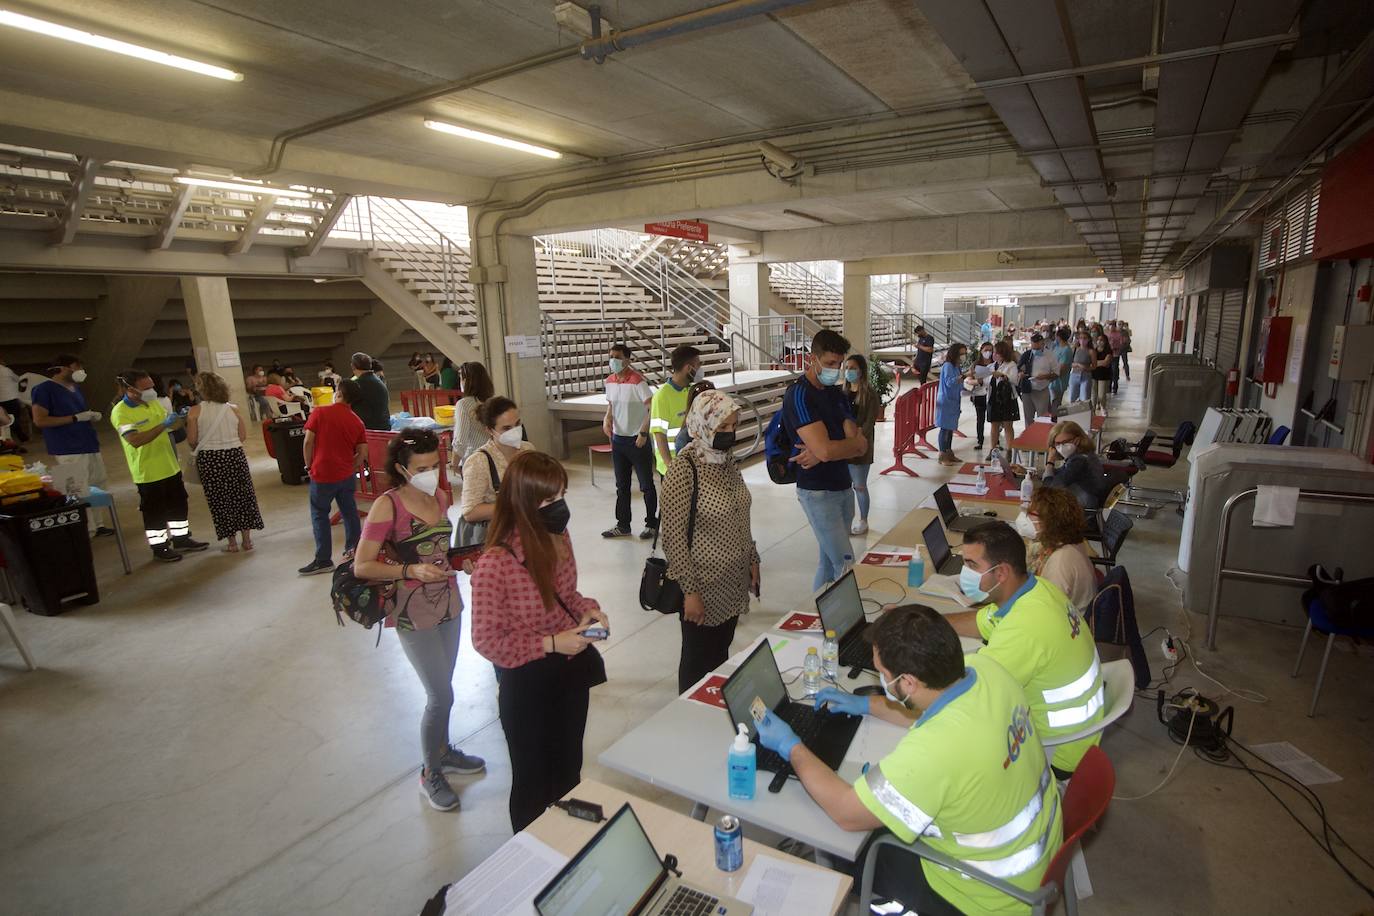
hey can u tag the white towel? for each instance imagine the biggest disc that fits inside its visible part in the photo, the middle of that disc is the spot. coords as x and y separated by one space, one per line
1275 507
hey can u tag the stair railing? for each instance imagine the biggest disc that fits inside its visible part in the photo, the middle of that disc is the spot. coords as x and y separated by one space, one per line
397 232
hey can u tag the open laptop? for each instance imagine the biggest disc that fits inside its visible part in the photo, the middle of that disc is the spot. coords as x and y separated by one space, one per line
827 734
618 871
944 501
842 610
942 559
1012 477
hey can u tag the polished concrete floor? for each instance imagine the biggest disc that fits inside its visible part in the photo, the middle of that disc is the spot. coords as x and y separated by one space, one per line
208 740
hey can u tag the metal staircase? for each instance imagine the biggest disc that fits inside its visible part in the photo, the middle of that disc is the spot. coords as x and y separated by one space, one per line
823 301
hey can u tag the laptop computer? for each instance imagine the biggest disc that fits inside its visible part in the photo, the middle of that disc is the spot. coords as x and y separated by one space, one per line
942 559
1005 466
619 871
827 734
944 501
842 610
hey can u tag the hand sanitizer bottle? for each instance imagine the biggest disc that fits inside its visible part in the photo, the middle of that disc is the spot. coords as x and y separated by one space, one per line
1027 488
743 761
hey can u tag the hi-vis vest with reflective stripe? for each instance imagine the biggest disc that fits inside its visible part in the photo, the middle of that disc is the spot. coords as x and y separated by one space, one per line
970 780
1040 638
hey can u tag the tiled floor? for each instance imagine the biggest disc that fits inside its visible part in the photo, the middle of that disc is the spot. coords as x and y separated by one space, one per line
208 740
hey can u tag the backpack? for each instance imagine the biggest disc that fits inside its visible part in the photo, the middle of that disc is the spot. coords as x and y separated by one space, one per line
1024 365
363 601
778 447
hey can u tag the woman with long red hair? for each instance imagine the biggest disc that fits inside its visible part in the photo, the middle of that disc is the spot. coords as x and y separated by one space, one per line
530 621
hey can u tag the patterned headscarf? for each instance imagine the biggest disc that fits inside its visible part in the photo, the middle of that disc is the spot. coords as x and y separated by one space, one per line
708 411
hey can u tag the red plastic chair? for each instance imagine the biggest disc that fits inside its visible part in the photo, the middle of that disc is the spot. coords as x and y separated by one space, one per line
1085 801
421 402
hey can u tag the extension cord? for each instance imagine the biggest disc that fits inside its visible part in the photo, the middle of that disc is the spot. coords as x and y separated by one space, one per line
1166 645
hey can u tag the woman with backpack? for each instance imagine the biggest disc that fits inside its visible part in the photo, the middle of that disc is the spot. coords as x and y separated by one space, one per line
1003 409
405 540
711 555
530 621
483 469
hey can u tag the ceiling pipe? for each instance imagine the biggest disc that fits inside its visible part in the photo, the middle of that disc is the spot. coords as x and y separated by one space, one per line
593 48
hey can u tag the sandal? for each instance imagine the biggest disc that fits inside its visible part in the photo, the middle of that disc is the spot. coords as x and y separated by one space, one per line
231 547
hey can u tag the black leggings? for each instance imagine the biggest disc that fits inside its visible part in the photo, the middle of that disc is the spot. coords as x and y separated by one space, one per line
704 649
544 721
980 411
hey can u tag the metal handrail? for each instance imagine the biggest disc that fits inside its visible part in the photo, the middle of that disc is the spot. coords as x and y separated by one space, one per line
1250 575
409 237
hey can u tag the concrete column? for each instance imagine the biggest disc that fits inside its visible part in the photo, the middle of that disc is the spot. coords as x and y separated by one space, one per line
210 316
507 287
749 292
857 320
914 297
123 321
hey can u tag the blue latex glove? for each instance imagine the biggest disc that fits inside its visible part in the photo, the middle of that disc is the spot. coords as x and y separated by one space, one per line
834 699
777 735
169 420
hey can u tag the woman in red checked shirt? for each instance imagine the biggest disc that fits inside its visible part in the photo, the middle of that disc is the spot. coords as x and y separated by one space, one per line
529 620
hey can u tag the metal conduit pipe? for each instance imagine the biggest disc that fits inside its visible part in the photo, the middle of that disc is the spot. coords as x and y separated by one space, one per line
594 48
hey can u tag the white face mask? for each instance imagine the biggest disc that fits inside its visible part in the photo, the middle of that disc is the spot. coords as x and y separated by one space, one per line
1025 526
148 395
79 375
426 481
1065 449
512 437
887 691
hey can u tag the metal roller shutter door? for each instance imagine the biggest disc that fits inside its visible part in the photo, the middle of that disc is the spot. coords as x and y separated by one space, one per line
1232 302
1210 318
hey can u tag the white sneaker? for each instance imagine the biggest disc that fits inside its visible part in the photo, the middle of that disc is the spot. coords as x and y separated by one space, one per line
859 527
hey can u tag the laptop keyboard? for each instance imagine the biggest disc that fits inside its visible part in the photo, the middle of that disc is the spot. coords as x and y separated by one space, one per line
857 653
688 902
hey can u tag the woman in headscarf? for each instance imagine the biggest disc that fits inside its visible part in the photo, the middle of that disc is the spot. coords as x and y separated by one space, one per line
716 563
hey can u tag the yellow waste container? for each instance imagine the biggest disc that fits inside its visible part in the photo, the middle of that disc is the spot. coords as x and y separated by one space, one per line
322 395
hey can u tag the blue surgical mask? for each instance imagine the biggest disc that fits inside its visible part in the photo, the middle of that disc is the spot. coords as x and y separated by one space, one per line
617 366
887 691
851 376
829 376
971 582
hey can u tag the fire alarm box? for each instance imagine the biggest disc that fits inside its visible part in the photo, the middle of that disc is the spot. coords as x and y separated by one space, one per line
1271 360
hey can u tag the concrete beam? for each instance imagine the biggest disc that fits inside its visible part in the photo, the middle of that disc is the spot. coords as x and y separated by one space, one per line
375 333
326 226
172 221
977 260
253 226
46 123
46 286
123 321
418 315
28 251
83 182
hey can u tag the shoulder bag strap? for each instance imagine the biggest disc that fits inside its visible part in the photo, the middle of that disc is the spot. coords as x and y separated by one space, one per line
491 466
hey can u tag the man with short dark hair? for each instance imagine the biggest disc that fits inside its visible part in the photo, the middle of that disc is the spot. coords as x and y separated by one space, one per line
925 352
819 423
1038 368
335 449
968 778
373 406
68 427
1032 628
668 410
626 424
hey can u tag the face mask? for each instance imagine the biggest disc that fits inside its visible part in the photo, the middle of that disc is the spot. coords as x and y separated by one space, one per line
698 373
723 440
1065 449
79 375
987 354
851 376
617 365
555 516
512 437
970 582
1025 526
148 395
426 481
887 691
829 376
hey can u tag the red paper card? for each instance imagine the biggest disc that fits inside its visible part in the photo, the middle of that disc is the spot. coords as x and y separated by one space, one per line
800 621
709 692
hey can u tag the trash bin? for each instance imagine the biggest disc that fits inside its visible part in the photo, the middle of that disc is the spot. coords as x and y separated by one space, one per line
47 553
288 446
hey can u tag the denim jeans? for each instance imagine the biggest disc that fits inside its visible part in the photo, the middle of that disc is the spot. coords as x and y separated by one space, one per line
321 495
1080 386
858 473
628 458
946 440
830 513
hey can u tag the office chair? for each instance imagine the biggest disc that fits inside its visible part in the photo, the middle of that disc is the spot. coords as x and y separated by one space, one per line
1319 618
1278 436
1114 531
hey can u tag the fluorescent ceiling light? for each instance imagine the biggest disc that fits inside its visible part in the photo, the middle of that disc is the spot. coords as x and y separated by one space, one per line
90 39
244 186
493 139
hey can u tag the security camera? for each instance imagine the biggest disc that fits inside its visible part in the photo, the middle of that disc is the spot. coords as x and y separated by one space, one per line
779 157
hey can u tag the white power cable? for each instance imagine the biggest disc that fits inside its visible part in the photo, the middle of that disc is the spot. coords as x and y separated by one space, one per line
1179 757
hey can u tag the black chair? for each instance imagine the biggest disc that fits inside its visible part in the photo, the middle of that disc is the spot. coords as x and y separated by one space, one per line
1114 532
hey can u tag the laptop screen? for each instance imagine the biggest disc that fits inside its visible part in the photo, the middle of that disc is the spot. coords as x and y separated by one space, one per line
1007 472
840 606
937 545
613 873
757 677
945 503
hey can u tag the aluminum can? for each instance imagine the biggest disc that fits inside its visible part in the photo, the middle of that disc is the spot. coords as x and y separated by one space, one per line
729 844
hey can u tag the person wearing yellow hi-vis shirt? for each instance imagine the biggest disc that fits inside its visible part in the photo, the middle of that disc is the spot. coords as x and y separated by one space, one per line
1034 630
969 777
668 410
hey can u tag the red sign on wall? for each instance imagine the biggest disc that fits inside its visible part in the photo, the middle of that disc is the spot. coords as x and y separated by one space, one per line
693 230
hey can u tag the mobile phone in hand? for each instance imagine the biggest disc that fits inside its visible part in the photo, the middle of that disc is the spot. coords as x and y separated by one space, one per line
596 633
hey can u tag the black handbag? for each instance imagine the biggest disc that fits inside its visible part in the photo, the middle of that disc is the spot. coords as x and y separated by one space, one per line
657 592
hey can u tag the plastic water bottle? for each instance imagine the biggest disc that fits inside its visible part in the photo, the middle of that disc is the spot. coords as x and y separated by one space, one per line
982 483
830 655
1027 487
811 672
742 764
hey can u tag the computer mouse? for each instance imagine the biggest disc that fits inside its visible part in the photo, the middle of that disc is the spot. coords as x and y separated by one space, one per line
867 690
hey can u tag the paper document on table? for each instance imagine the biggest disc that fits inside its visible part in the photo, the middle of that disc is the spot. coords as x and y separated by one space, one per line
775 886
1045 420
945 587
966 490
967 480
508 880
1295 763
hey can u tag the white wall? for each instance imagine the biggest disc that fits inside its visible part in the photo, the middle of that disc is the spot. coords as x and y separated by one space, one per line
1143 317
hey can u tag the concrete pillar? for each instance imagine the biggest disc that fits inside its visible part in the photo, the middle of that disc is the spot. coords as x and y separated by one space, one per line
857 320
210 316
749 292
914 297
507 287
123 321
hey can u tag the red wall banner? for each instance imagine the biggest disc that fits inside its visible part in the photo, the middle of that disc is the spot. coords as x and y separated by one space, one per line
693 230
